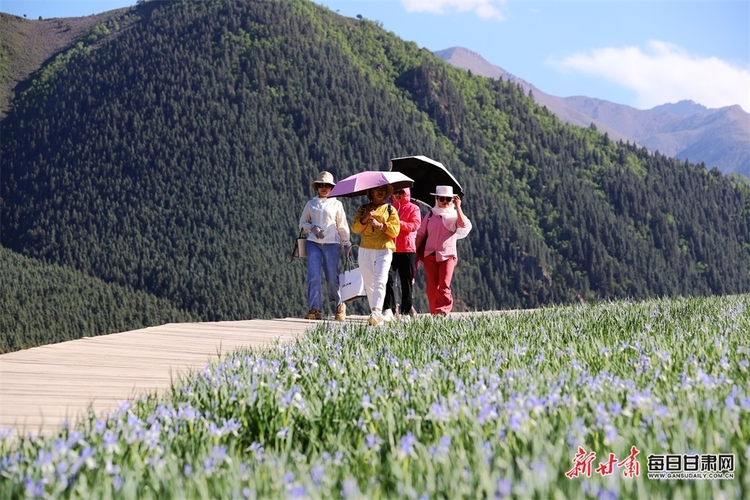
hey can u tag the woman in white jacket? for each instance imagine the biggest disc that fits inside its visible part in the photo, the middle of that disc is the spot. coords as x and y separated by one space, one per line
324 220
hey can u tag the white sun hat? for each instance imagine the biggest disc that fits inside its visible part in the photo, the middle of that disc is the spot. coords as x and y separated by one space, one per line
324 178
443 191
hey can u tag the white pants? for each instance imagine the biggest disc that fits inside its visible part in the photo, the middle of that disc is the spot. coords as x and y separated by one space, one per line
374 265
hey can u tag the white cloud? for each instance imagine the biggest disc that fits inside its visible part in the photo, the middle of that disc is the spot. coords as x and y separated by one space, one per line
486 9
664 73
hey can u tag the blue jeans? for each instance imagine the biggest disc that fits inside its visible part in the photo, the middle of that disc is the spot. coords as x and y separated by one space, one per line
328 256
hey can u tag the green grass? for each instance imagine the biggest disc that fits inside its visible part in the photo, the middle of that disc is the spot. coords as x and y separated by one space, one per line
465 407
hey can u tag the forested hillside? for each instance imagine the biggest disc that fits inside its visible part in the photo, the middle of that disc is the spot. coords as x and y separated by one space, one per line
25 45
44 304
175 157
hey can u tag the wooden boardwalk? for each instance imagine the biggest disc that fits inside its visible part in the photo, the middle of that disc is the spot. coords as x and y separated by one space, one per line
44 386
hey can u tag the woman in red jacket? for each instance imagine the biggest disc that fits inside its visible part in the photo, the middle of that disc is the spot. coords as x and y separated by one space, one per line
404 260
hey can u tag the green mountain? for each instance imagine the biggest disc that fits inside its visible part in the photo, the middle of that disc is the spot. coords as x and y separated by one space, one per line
172 154
25 45
46 303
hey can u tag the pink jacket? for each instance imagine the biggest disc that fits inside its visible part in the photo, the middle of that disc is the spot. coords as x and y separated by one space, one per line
410 218
441 240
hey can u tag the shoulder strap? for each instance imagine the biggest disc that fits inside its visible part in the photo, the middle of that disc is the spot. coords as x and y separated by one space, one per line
427 228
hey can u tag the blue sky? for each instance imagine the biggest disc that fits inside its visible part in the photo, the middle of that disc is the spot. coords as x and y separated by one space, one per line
642 53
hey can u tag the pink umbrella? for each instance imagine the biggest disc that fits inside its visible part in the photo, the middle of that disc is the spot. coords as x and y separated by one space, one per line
359 184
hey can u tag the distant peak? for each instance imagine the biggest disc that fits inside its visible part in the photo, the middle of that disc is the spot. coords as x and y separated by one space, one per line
685 107
463 58
457 51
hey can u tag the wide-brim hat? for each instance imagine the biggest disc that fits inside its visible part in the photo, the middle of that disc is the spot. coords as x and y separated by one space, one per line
324 178
443 191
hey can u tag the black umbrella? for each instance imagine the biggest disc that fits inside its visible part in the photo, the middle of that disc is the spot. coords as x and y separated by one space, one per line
427 173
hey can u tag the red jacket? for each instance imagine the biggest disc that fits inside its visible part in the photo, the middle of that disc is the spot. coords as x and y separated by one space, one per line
411 218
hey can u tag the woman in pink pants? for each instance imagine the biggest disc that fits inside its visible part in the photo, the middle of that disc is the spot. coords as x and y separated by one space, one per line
442 227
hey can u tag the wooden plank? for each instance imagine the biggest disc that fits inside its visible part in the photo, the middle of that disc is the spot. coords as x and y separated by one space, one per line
42 386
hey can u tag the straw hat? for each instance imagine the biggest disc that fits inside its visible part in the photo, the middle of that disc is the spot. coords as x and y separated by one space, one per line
446 191
324 178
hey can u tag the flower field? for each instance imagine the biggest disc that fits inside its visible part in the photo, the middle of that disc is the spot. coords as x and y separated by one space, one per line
566 402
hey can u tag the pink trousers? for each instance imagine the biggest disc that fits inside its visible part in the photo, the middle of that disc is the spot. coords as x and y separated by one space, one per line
438 277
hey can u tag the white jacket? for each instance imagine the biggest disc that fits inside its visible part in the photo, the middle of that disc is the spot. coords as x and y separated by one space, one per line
328 214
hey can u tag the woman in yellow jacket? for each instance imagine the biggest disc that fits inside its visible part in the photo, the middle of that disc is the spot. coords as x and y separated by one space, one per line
378 224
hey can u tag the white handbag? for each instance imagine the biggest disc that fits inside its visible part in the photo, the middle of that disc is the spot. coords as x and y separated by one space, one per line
300 246
351 284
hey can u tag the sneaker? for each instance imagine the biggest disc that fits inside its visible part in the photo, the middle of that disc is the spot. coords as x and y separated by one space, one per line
388 316
341 312
313 314
375 319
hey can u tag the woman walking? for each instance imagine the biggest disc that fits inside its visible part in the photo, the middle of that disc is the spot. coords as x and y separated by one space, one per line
378 224
403 264
442 227
324 220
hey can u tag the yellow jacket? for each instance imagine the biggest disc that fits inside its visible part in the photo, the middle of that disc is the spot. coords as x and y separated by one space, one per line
372 238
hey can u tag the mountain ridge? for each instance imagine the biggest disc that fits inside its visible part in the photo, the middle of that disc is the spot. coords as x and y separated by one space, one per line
686 130
27 45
